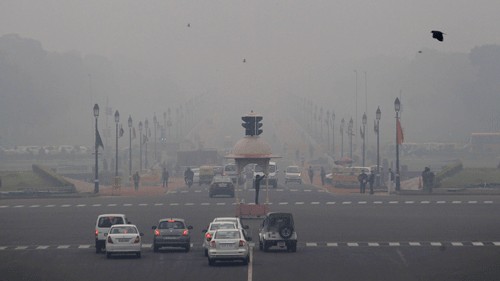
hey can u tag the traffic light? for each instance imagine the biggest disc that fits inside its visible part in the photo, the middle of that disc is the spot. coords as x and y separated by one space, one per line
252 125
249 125
258 130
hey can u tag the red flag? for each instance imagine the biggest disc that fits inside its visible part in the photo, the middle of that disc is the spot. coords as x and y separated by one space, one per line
399 132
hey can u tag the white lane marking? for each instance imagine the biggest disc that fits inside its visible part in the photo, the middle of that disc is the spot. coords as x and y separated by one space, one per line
346 202
283 203
280 189
294 190
415 244
189 204
147 245
96 205
50 206
307 190
362 202
352 244
393 202
457 244
472 202
394 244
143 204
83 246
496 243
488 202
18 206
111 205
330 203
441 202
127 205
314 203
34 206
378 202
63 247
221 204
65 206
250 265
332 244
456 202
4 206
425 202
409 202
21 248
299 203
477 244
205 204
158 204
3 248
42 247
373 244
81 205
436 244
311 244
174 204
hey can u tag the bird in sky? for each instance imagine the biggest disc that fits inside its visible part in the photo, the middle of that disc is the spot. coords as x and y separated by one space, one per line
438 35
188 25
244 60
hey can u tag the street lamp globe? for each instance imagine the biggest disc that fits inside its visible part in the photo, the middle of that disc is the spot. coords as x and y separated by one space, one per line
130 121
397 105
378 114
117 116
364 119
96 110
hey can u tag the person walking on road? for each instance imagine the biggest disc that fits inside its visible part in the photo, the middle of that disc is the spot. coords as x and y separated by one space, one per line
371 181
258 179
136 179
164 177
427 179
363 179
310 172
323 175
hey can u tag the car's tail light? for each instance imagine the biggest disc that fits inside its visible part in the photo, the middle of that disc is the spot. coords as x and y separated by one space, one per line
185 232
110 240
96 233
242 243
157 232
137 239
208 236
212 244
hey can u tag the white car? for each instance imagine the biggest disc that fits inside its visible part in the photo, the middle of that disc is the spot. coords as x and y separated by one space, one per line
209 232
236 220
229 245
293 174
102 226
123 239
272 178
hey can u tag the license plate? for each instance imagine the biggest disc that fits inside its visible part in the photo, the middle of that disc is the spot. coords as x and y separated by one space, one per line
222 184
226 246
123 239
281 244
169 237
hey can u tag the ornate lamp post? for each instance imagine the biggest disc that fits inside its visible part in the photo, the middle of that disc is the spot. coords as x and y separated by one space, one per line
130 146
378 114
364 119
349 131
117 119
146 126
96 179
397 108
342 124
333 134
140 145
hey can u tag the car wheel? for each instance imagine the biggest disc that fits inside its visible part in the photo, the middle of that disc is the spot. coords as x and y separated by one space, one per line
138 254
285 232
108 255
211 262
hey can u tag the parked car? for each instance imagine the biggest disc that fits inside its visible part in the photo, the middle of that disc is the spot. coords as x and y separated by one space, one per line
102 226
221 185
293 174
278 230
229 245
209 232
123 239
171 232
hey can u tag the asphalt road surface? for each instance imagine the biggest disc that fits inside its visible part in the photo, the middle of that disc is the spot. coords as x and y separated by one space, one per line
341 237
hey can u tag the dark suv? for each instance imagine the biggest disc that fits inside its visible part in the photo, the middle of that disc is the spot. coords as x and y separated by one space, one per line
278 230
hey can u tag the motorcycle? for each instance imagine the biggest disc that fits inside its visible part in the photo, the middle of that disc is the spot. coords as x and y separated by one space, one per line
189 182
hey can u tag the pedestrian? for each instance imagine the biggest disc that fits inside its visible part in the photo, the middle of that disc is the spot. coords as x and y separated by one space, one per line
136 179
371 181
310 172
164 177
363 179
258 179
427 179
391 180
323 175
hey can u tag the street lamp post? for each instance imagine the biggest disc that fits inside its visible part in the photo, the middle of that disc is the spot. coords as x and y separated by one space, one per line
96 179
130 146
378 114
397 108
140 145
364 119
349 131
117 119
333 134
155 122
342 124
146 127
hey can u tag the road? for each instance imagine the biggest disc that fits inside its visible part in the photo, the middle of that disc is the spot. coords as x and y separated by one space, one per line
341 237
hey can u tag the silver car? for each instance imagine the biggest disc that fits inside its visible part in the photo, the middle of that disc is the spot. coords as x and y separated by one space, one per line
210 231
123 239
229 245
172 232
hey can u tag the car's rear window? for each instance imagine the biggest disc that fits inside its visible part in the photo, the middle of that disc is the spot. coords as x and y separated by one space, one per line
109 221
123 230
230 168
171 225
227 235
292 170
216 226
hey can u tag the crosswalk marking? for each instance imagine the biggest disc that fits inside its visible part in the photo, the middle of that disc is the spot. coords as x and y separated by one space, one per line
299 203
44 247
63 247
436 244
332 244
311 244
83 246
66 205
477 244
458 244
394 244
81 205
373 244
352 244
314 203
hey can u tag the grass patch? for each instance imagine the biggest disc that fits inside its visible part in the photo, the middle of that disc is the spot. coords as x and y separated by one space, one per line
13 181
473 177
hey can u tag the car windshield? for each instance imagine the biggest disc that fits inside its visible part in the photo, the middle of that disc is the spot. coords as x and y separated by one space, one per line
271 169
215 226
227 235
171 225
123 230
109 221
230 168
292 170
